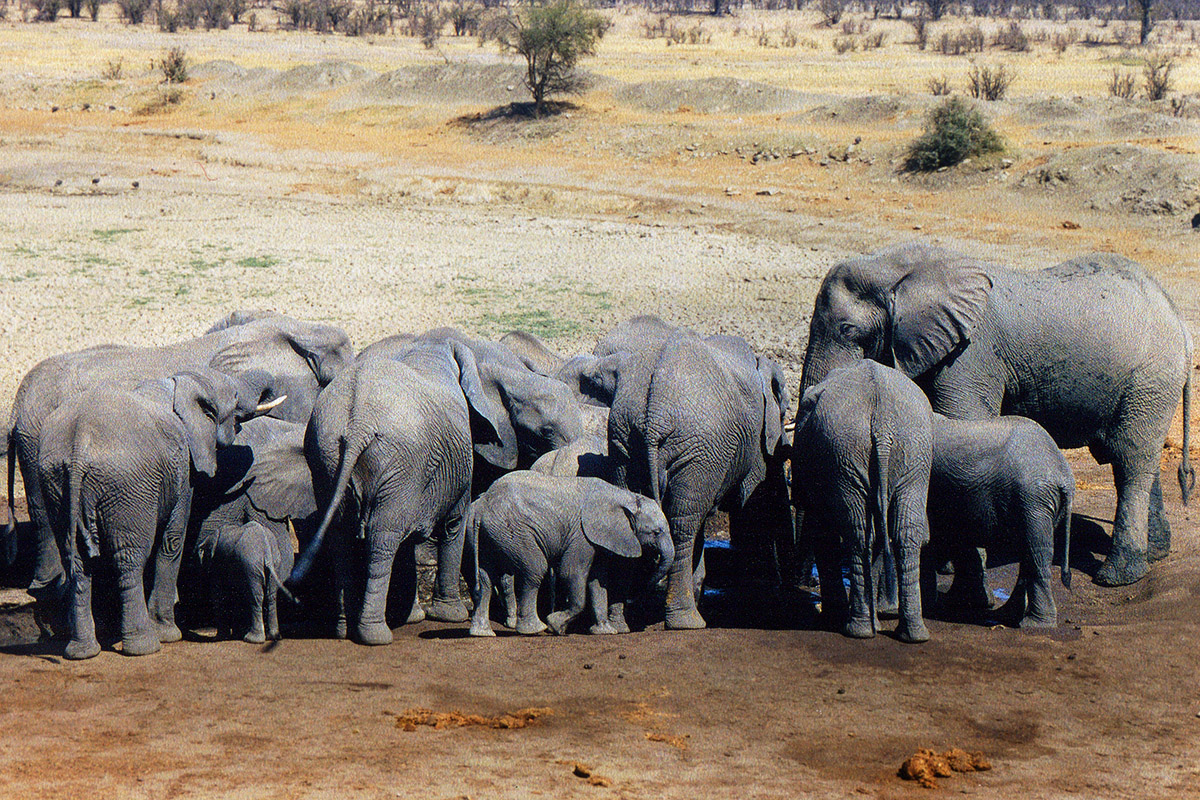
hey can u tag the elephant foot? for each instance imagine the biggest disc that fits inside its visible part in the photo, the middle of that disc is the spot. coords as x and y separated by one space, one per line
141 644
1123 567
448 611
510 623
416 615
168 632
79 649
1157 552
913 632
374 633
858 628
977 596
602 629
559 621
1038 621
686 619
529 627
619 624
255 637
887 609
340 629
481 628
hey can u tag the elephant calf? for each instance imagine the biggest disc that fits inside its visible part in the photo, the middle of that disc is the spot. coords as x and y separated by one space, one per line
527 524
860 468
1000 481
246 562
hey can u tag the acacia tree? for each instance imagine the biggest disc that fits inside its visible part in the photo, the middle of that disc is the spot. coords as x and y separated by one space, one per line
1144 7
552 37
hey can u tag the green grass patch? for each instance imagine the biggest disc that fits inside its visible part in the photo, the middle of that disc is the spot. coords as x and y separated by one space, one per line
107 235
137 302
257 262
22 250
539 322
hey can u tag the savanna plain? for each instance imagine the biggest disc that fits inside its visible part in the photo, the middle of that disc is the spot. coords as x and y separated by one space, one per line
711 172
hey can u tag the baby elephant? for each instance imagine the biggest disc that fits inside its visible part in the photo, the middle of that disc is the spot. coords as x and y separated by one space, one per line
527 524
245 563
999 482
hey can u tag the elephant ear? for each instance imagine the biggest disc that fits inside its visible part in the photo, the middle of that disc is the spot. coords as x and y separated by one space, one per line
280 483
608 524
193 404
325 348
491 431
775 403
934 310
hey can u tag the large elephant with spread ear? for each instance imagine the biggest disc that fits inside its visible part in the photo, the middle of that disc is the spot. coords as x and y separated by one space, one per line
1092 349
288 357
390 445
116 466
697 424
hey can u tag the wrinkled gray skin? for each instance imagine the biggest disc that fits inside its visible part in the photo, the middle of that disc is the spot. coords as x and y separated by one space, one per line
116 467
996 482
245 563
264 479
290 357
532 351
697 424
390 448
592 378
860 470
1092 350
585 529
584 458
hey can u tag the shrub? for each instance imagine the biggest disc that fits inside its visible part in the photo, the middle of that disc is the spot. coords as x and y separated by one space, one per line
989 83
173 65
955 130
93 9
368 20
113 68
788 37
845 44
552 38
920 25
1012 37
831 11
874 41
45 10
426 24
134 11
1122 84
939 86
1156 75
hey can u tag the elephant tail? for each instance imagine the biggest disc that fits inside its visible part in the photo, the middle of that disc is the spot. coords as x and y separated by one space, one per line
654 467
1067 498
78 530
270 573
470 563
1187 475
350 453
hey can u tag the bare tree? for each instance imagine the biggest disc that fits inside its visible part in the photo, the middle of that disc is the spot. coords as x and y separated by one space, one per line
937 8
1144 7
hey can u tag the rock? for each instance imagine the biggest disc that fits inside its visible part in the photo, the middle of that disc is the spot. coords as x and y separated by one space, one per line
1005 163
135 184
767 192
1196 222
731 192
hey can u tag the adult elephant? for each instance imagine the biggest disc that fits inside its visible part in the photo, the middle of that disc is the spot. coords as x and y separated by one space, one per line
697 424
390 447
287 356
1092 349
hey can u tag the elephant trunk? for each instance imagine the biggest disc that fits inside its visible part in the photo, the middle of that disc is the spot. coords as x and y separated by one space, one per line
665 546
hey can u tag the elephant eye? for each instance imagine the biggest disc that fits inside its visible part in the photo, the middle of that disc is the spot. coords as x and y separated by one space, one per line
208 410
847 330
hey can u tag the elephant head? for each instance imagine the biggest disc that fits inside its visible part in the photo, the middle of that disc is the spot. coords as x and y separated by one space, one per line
593 378
626 524
210 406
543 412
908 306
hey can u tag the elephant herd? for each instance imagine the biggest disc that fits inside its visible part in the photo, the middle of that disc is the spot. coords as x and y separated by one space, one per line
266 457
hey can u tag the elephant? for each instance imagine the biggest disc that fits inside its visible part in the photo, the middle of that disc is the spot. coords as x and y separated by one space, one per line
1092 349
245 563
861 461
390 445
292 358
1000 481
116 465
527 524
263 478
697 424
584 458
592 378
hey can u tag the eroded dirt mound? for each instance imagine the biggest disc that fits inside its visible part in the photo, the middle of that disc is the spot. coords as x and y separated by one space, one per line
460 82
710 96
1120 178
438 720
873 109
318 77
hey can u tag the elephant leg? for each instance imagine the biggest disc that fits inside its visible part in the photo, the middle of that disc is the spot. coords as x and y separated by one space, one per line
481 620
447 604
597 596
969 589
139 634
341 580
403 600
81 623
619 591
1038 524
1126 562
271 609
861 622
682 613
508 588
49 583
824 537
372 626
1159 527
912 536
527 585
168 557
887 602
573 572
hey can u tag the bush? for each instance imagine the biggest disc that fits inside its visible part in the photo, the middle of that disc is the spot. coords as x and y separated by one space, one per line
1012 38
989 83
45 10
113 69
954 131
874 41
368 20
173 65
920 25
552 38
1156 74
939 86
845 44
134 11
1122 84
426 24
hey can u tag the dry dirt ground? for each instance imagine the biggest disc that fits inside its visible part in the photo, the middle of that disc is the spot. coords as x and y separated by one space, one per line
371 183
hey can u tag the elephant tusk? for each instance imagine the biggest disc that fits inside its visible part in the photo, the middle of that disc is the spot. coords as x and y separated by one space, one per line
263 408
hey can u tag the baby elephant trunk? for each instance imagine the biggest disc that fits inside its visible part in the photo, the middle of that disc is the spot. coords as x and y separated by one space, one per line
665 547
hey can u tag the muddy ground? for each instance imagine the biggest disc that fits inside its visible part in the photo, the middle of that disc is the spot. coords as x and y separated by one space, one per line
376 185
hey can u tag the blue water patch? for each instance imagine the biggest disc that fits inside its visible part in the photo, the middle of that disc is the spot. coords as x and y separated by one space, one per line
717 544
1001 594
